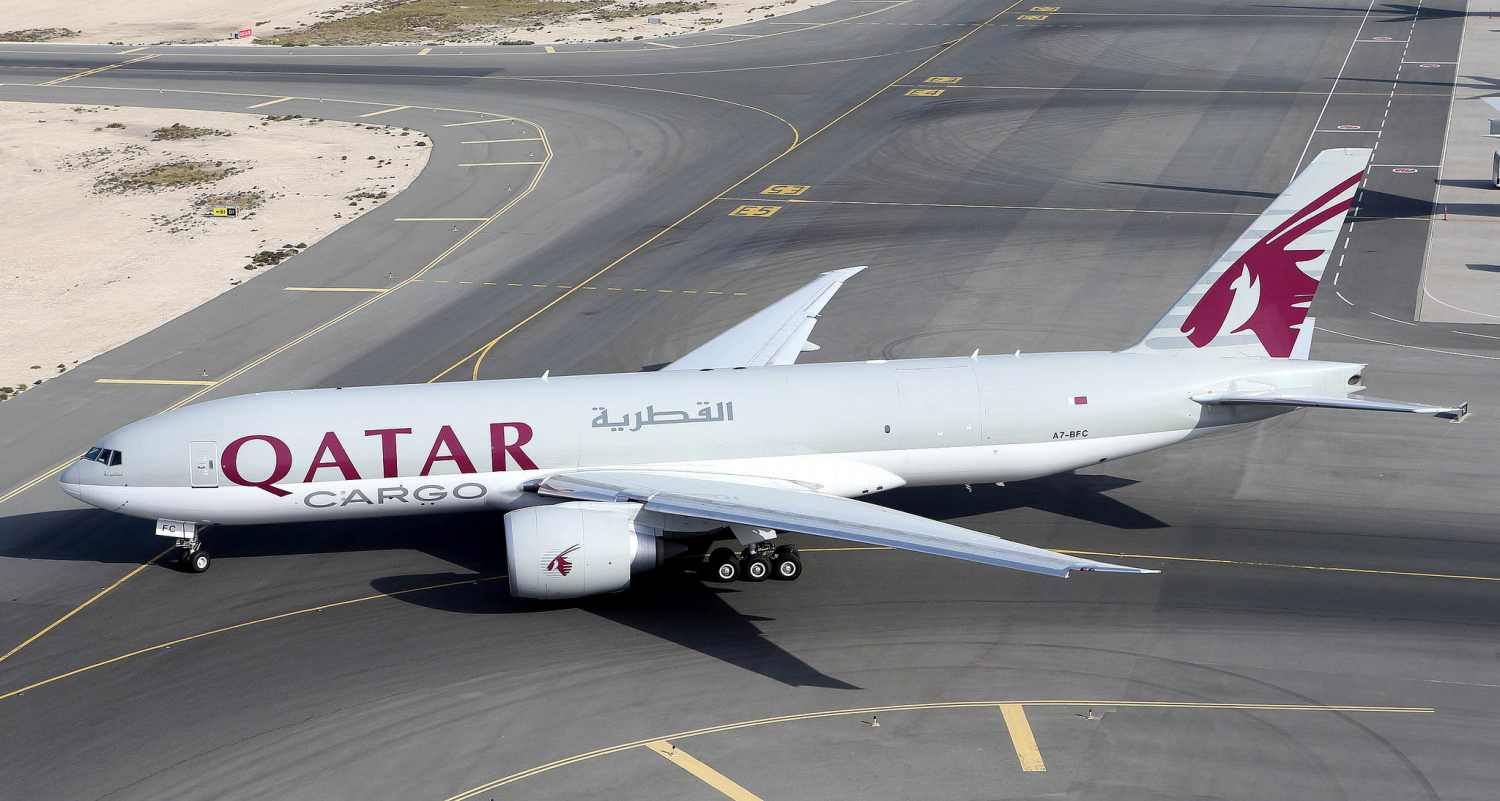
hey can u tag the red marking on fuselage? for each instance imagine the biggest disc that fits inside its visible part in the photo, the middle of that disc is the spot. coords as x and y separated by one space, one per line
1272 268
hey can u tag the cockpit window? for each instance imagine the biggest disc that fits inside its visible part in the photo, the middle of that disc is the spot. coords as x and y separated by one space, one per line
104 456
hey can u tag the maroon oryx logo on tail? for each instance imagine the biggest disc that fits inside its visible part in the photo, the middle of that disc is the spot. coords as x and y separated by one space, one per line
1268 293
560 563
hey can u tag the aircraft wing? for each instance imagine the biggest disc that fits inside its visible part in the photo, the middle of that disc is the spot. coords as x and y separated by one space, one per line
776 334
774 504
1458 412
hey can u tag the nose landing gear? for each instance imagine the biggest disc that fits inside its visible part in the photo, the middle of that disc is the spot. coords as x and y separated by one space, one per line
193 559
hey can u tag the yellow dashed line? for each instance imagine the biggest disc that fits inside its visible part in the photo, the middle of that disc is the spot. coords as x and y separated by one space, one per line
424 51
271 102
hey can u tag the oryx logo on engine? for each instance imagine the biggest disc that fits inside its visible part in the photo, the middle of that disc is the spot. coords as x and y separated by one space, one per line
561 563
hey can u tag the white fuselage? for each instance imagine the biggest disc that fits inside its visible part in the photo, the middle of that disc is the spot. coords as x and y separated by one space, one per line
848 429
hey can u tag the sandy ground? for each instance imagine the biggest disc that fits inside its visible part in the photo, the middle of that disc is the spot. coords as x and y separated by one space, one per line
151 22
145 22
584 29
82 271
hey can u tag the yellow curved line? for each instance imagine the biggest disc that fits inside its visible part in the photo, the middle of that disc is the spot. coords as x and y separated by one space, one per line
485 349
246 624
80 607
868 710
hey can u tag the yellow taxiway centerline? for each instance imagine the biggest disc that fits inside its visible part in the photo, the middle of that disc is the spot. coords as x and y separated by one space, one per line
80 607
711 777
860 711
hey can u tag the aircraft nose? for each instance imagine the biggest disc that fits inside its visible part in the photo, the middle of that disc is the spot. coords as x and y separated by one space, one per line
70 480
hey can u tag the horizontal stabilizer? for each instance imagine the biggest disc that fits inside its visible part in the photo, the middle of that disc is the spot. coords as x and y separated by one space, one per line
1458 412
781 505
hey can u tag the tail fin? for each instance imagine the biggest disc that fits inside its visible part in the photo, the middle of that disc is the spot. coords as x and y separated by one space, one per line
1253 301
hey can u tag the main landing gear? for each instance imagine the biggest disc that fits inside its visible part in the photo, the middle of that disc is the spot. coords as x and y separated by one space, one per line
756 562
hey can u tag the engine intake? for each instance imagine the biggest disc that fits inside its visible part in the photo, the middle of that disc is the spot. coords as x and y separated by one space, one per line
570 550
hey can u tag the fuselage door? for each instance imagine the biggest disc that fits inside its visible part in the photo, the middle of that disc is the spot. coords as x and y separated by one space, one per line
203 461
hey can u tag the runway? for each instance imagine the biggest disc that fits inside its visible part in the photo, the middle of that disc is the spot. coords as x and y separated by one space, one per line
1035 178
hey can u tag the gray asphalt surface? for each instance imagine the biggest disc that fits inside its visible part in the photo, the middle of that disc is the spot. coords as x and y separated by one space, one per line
1324 625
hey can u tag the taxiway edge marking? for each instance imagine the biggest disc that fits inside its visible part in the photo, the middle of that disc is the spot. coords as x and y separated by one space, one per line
1022 738
711 777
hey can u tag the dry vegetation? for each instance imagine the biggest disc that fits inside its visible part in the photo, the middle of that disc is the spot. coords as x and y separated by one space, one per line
179 131
37 35
165 176
435 21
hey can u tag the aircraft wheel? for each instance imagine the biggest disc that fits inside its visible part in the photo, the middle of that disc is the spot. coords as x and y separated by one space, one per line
195 561
756 568
786 567
783 550
723 565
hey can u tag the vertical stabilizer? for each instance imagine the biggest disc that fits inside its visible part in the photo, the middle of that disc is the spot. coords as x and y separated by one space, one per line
1253 301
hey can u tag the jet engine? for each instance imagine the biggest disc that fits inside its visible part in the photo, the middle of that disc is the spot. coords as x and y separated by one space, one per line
569 550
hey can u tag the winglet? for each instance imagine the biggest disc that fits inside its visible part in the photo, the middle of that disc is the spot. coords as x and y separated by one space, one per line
776 334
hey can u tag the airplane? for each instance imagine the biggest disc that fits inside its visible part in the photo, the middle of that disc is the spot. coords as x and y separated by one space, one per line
601 477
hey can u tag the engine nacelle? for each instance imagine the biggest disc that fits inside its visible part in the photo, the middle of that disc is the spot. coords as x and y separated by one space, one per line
569 550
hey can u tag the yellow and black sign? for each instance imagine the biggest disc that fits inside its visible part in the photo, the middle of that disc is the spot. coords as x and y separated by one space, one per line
754 211
785 189
1032 16
1045 8
942 79
226 211
924 92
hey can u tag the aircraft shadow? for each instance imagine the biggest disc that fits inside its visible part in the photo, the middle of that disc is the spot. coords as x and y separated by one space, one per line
1390 12
1204 189
1080 497
672 603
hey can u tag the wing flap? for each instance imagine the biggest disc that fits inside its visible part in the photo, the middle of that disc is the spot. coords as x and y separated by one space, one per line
783 506
776 334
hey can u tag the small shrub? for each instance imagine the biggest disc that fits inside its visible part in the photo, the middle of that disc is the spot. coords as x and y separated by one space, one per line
164 176
179 131
115 125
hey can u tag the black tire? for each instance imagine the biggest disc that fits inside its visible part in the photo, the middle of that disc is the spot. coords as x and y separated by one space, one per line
785 549
723 565
786 567
196 561
755 568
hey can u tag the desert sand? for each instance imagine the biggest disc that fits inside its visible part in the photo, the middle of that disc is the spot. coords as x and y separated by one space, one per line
153 22
84 269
